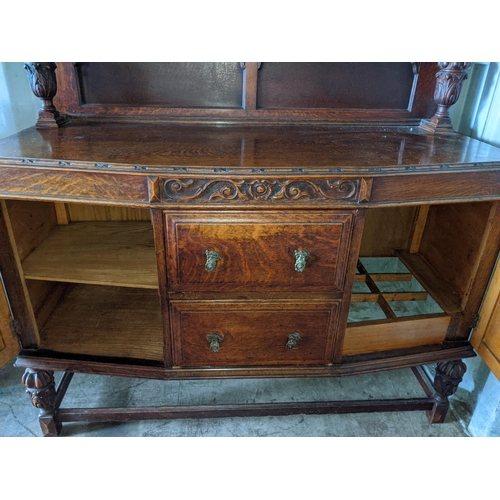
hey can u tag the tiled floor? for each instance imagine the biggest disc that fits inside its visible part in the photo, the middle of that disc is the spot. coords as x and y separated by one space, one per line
18 417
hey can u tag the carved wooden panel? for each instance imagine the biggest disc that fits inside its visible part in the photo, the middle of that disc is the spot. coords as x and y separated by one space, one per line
257 251
259 190
253 333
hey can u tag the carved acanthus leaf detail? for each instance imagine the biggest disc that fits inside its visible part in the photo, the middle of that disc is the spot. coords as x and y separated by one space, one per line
43 83
449 80
216 190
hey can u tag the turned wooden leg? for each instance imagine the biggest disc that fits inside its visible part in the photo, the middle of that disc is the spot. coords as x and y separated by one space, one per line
448 375
41 388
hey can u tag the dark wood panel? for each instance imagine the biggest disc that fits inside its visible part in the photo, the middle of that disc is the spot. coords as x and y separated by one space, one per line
253 333
152 93
257 252
335 85
168 84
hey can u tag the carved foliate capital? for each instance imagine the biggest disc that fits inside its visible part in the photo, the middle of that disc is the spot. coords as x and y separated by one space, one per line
449 80
448 375
43 82
40 386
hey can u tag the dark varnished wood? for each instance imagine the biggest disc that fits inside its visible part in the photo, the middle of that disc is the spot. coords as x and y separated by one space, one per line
294 92
335 85
353 149
243 410
351 365
448 375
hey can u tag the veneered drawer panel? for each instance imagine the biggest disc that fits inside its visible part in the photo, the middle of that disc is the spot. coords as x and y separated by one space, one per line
253 332
257 251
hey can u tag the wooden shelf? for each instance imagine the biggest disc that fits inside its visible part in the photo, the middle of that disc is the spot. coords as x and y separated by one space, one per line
106 321
114 253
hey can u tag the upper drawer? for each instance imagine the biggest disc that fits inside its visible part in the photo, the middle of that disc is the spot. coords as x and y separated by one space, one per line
296 251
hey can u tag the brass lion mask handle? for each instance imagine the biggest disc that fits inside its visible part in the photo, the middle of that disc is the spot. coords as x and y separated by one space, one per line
212 258
214 339
293 338
300 260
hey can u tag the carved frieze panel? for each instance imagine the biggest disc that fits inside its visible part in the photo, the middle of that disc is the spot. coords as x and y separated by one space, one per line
222 190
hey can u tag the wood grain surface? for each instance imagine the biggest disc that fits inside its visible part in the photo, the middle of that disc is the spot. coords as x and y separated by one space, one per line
257 251
351 149
253 332
106 321
108 253
395 334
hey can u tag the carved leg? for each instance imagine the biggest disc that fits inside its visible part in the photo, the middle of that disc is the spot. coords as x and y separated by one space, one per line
448 375
41 388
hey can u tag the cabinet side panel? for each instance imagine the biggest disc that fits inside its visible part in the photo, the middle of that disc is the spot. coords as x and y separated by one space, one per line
386 229
452 239
32 222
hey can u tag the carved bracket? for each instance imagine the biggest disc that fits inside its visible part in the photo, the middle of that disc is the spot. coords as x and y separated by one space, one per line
448 87
262 190
43 82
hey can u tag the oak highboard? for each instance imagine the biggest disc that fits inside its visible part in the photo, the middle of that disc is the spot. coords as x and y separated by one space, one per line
222 220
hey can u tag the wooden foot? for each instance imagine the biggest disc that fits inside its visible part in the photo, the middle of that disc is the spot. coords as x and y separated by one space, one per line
41 388
448 375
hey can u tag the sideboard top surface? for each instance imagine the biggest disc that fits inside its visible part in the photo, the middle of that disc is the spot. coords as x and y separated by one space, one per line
158 148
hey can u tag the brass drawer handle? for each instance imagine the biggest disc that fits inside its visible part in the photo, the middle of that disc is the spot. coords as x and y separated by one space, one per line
212 258
215 341
300 260
293 338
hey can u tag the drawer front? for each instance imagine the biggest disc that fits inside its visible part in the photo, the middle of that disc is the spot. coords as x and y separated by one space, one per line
253 333
265 251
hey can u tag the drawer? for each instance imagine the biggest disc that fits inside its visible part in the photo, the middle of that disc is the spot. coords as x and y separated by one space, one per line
251 252
244 333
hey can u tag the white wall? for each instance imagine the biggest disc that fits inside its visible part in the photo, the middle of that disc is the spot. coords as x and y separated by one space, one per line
477 114
18 105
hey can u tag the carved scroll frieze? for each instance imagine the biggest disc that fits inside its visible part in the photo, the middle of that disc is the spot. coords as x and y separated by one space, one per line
43 83
260 190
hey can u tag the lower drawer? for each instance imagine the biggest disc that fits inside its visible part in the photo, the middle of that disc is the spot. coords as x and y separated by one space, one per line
253 333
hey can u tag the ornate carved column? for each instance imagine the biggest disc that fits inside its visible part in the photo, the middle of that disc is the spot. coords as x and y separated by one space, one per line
41 388
448 375
43 82
448 87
